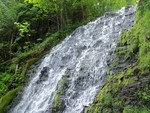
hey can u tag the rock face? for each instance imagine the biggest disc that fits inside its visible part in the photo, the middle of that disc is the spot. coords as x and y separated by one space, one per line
82 57
44 75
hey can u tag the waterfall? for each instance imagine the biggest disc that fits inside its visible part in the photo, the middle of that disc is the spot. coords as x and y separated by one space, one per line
82 58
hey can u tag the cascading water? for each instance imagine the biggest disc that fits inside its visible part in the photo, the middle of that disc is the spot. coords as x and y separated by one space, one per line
83 57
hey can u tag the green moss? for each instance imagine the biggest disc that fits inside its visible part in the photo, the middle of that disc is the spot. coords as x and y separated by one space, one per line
144 95
6 99
12 67
116 4
136 39
117 102
116 62
107 97
3 88
107 100
130 45
28 64
136 109
58 104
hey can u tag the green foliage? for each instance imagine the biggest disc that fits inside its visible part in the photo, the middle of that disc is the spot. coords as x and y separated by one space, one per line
118 102
136 40
8 13
3 88
136 109
107 100
130 44
12 67
5 78
12 77
144 94
6 99
23 30
44 5
116 4
144 52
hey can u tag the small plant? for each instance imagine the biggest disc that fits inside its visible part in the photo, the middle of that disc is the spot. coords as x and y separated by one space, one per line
117 103
107 100
136 109
24 30
144 94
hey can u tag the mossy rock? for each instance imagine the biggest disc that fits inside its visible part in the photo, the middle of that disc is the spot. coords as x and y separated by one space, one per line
108 98
58 104
27 65
7 98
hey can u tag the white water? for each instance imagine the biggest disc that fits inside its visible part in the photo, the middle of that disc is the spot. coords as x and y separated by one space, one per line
83 55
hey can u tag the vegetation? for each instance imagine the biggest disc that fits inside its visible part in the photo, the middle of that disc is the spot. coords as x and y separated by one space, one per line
121 94
30 28
5 100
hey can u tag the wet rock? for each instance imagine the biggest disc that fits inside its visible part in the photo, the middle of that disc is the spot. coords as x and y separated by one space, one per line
59 107
44 75
119 19
97 44
84 109
82 82
110 14
129 11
